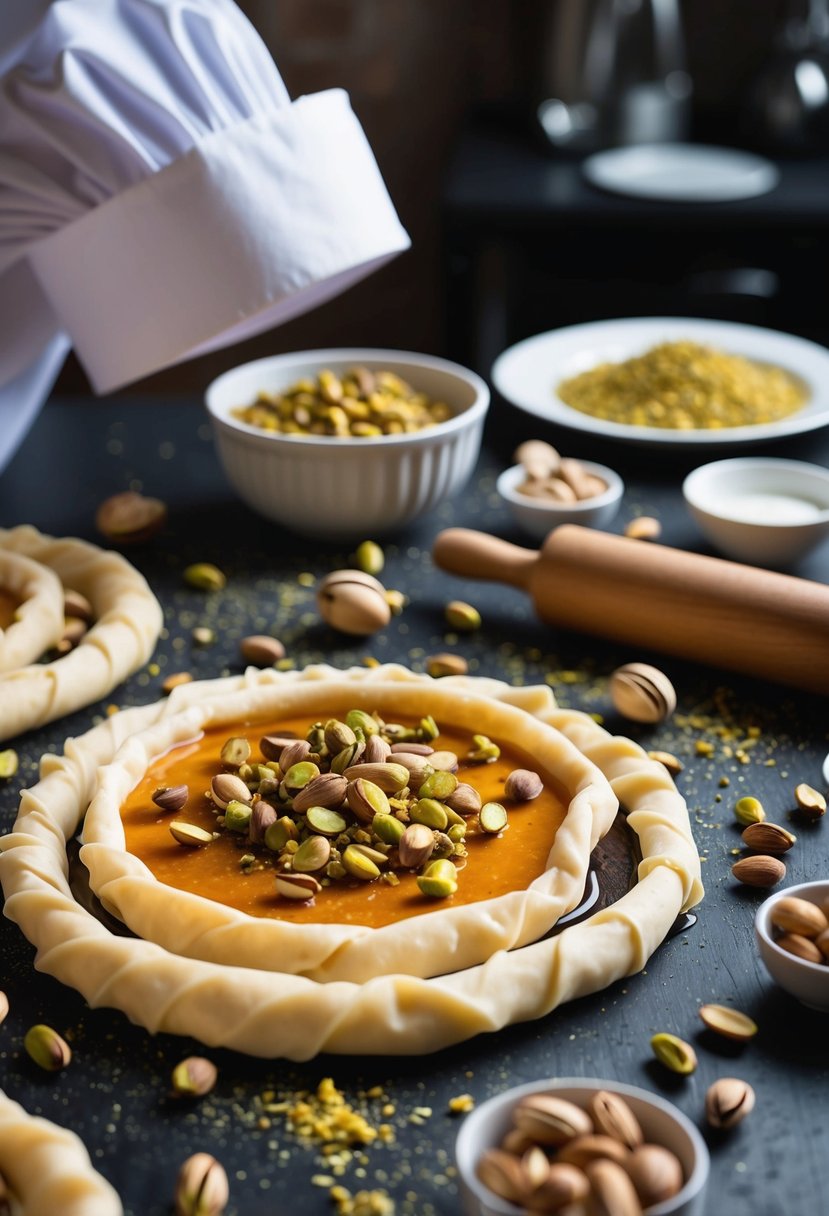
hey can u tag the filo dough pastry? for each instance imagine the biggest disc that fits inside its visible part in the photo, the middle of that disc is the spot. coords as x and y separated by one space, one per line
276 1014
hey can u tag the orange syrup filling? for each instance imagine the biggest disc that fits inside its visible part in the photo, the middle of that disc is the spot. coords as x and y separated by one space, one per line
495 864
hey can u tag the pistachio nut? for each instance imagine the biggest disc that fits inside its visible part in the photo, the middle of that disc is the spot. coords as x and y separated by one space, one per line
203 635
204 576
536 1166
465 800
235 752
4 1007
794 915
483 750
416 846
194 1077
643 527
278 834
362 723
262 816
612 1192
803 947
272 746
365 800
551 1120
353 602
9 763
261 650
811 803
768 838
462 617
492 818
389 776
297 886
227 787
821 941
369 557
337 735
77 605
171 797
438 784
430 812
295 751
396 600
412 748
730 1023
445 664
175 680
189 834
502 1173
202 1188
358 865
439 880
668 760
728 1101
539 459
130 518
642 693
348 757
749 810
522 785
312 855
563 1186
444 760
377 750
674 1053
375 855
74 632
46 1047
326 790
759 871
655 1172
237 816
418 766
583 1149
387 828
325 821
613 1117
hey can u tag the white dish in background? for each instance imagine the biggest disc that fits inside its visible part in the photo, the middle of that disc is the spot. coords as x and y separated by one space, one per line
527 374
755 509
661 1122
690 173
809 982
538 516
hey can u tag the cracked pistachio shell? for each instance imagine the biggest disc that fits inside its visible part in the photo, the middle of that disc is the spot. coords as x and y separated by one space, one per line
642 693
202 1187
728 1101
655 1172
551 1120
613 1117
353 602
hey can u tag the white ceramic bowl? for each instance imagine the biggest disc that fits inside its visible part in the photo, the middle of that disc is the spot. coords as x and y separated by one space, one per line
758 509
538 516
334 488
809 982
661 1122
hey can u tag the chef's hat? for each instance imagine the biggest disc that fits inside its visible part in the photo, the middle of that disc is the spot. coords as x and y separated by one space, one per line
161 196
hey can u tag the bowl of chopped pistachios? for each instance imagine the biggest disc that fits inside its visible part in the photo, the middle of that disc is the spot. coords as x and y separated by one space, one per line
342 443
580 1145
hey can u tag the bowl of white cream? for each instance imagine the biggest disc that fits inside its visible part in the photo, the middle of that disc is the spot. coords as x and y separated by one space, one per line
759 509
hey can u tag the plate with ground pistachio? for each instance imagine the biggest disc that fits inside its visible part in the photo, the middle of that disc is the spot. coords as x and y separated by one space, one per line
670 381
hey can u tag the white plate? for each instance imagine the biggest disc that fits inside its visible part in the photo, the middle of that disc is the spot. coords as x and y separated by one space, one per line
692 173
526 375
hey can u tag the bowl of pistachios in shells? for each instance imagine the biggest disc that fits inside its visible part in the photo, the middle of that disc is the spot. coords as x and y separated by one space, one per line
342 443
580 1146
545 489
792 929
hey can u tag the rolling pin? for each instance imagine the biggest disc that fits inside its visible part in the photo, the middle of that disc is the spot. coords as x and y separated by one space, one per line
768 625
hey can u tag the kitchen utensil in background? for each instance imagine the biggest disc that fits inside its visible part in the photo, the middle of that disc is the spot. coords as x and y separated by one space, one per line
759 622
788 106
613 72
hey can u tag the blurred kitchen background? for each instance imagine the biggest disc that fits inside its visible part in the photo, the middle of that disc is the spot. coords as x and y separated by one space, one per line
508 239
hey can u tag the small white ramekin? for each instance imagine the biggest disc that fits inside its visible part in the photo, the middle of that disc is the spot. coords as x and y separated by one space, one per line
809 982
538 516
339 488
661 1123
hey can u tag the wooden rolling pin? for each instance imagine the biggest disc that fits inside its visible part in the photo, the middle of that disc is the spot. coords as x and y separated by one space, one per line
769 625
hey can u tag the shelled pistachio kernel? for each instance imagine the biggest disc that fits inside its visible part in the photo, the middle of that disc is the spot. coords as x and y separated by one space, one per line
749 810
810 802
204 576
261 649
674 1053
202 1188
237 816
396 601
439 879
462 617
730 1023
189 834
483 750
358 865
9 763
235 752
194 1077
369 557
492 818
46 1047
446 664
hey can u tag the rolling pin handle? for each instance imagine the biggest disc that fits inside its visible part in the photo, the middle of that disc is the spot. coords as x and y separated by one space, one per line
477 555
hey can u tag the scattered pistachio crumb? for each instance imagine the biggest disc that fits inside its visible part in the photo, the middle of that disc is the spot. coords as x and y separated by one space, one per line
704 747
461 1103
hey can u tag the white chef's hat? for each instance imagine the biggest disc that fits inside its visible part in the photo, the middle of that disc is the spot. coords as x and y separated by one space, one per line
161 196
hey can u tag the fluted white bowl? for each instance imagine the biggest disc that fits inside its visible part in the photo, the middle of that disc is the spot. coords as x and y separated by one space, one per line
340 488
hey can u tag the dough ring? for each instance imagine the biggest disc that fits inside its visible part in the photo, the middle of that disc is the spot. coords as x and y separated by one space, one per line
272 1014
445 939
47 1168
38 622
128 621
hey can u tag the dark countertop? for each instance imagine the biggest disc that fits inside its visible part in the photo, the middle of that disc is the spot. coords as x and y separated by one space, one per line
114 1094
